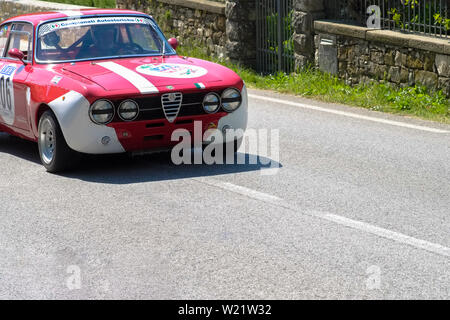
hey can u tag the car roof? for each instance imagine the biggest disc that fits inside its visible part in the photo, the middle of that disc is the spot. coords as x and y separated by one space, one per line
38 17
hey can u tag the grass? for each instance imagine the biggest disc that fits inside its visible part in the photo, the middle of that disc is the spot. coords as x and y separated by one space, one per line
414 101
89 3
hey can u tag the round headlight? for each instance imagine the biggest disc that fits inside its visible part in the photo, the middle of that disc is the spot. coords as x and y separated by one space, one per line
102 112
231 99
128 110
211 103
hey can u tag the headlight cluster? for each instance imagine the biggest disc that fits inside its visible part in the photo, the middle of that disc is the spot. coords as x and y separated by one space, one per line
102 111
128 110
211 103
230 100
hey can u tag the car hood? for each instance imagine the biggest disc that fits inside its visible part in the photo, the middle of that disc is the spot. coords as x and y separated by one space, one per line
141 74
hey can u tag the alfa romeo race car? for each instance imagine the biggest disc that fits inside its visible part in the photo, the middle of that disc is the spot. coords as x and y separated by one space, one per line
107 81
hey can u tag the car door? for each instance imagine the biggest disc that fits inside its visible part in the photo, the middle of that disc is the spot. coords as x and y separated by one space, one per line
14 93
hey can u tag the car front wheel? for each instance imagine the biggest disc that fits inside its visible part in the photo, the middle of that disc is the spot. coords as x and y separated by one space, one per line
54 152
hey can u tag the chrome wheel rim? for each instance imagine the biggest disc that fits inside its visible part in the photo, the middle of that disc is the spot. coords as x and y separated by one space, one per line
47 141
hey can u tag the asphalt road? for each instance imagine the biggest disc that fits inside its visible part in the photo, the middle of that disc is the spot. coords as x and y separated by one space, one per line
359 208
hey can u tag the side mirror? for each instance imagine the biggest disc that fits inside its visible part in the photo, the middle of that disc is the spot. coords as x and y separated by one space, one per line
173 43
16 53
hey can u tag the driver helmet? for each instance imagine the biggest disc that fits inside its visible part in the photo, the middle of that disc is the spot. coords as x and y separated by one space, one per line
105 35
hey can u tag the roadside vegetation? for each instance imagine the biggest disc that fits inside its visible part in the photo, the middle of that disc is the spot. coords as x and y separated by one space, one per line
89 3
310 83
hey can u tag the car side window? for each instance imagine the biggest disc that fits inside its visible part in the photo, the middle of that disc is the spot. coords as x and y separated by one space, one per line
4 34
22 38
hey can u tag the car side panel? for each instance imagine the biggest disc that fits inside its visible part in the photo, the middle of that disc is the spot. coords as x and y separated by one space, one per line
14 97
66 97
46 86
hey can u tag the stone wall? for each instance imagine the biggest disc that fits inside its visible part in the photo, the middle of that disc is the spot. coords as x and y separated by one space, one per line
305 13
227 30
361 55
192 22
241 31
223 28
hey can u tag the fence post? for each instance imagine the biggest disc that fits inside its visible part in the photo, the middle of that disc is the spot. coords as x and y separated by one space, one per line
306 11
279 36
241 29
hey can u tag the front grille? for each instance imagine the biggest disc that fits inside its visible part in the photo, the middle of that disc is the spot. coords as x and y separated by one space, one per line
171 103
151 107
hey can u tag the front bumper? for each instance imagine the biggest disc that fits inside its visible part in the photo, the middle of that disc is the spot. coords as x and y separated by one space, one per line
82 135
157 134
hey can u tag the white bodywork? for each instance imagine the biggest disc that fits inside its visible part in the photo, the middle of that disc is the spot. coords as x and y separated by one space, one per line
81 134
238 119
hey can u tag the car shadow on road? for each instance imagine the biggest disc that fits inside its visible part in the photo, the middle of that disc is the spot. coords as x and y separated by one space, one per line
20 148
123 169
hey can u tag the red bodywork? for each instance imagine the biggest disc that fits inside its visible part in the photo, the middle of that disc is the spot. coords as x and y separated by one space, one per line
34 89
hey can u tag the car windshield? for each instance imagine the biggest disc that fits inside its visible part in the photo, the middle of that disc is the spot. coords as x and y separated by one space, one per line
99 37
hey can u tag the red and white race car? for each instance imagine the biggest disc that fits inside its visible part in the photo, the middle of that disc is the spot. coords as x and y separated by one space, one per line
106 81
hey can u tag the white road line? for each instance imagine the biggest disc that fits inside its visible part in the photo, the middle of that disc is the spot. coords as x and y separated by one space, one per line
349 114
241 190
347 222
388 234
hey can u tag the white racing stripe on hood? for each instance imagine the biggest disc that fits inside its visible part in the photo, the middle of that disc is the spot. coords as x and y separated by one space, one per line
142 84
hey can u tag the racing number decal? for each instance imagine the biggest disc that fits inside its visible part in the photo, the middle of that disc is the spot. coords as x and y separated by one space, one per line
7 94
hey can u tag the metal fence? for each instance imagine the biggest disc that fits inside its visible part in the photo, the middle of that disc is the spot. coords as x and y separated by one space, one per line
427 17
275 45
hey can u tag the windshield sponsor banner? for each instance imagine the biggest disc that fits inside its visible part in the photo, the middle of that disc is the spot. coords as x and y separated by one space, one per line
172 70
73 23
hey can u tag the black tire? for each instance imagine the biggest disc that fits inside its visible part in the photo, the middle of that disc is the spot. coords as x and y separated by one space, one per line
55 154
